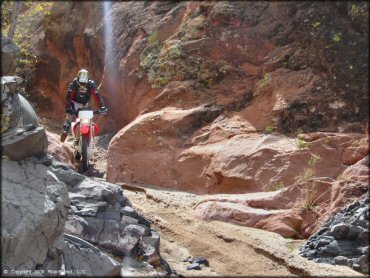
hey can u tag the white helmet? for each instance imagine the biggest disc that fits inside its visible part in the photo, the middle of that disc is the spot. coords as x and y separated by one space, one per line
83 76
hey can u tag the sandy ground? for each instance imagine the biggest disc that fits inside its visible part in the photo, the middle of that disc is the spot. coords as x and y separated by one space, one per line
231 250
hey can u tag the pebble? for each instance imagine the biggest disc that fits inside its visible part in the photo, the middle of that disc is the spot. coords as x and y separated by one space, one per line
203 261
193 266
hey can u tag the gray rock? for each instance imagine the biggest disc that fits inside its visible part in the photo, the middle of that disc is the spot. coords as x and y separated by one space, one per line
346 247
341 260
87 228
363 250
68 176
110 196
203 261
194 266
73 210
137 230
28 113
109 213
9 56
80 202
322 231
46 160
129 220
105 219
143 220
34 208
343 238
87 211
133 268
84 261
332 249
360 222
80 242
153 239
149 251
356 267
363 238
324 260
93 191
340 231
26 144
128 211
354 232
114 238
311 253
364 263
321 242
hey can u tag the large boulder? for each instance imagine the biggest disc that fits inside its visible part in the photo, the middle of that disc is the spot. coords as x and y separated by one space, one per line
22 136
27 141
34 208
152 143
28 112
296 209
220 157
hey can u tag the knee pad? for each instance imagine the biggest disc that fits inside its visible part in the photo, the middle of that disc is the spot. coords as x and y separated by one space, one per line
66 126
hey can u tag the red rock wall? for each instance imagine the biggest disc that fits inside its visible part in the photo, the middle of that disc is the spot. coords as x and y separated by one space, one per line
304 63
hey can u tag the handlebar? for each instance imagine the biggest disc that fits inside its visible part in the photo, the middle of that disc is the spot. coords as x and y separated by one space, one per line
96 112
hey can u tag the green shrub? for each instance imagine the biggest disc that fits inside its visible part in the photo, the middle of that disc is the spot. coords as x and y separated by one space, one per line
269 129
301 144
337 37
153 37
308 179
275 187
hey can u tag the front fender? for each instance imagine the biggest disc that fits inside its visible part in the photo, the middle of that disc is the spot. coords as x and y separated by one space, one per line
84 129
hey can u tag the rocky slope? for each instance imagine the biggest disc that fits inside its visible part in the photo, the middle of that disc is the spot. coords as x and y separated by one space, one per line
56 221
344 239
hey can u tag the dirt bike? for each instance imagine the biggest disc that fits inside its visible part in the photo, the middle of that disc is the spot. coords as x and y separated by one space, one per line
84 130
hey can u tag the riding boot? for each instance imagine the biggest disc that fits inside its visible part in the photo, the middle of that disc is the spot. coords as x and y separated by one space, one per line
77 155
64 133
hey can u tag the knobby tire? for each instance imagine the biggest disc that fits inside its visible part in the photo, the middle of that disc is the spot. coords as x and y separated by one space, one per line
84 145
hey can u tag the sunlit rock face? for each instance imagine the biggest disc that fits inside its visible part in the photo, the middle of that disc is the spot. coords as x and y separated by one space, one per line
34 209
267 63
61 44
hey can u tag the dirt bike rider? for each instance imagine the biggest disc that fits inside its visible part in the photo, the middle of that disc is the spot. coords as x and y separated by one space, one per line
78 96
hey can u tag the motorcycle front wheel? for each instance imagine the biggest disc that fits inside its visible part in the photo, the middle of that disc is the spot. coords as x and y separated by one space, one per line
84 146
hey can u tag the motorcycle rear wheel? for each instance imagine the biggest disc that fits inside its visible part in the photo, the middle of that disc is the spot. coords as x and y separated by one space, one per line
85 160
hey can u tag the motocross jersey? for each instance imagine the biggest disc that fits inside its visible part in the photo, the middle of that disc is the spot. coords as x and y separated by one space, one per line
81 94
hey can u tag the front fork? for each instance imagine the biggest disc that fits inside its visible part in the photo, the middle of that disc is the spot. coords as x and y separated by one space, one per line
86 130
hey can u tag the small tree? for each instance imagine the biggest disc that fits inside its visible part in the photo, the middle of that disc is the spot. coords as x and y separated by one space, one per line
13 21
